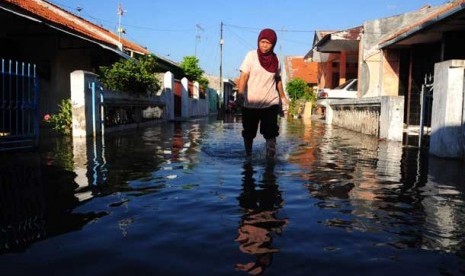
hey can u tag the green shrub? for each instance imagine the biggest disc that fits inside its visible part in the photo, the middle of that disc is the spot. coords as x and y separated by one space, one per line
298 89
62 121
299 92
131 75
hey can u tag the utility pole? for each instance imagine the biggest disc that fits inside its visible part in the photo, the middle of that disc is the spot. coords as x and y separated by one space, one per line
120 29
197 37
221 66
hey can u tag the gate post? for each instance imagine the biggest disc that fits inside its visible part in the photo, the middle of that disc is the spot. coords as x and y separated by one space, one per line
391 118
196 99
84 98
168 89
185 100
446 121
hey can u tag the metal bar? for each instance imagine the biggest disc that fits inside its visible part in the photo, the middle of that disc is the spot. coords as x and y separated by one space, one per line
2 130
93 108
36 107
102 113
28 98
9 96
422 103
17 100
23 106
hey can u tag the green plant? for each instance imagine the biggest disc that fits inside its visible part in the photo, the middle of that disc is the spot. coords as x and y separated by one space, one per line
62 121
131 75
298 89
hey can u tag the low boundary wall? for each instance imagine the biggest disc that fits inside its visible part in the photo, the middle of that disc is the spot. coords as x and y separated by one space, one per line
379 116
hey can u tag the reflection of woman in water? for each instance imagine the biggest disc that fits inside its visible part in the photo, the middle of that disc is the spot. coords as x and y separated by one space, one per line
259 221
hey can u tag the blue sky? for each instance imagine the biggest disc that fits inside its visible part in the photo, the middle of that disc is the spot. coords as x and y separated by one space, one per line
174 29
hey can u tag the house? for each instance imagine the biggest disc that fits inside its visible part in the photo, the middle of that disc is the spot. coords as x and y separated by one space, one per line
298 67
336 53
409 52
59 42
229 90
396 55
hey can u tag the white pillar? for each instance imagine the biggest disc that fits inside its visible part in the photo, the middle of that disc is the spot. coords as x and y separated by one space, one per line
329 113
392 118
85 101
448 106
196 102
168 89
185 98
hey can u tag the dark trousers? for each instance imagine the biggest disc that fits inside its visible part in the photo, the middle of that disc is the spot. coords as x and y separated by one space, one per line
267 118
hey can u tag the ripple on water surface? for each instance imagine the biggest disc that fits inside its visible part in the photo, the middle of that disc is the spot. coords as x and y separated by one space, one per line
181 198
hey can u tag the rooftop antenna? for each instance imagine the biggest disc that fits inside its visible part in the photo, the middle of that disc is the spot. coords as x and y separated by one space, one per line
197 37
79 9
120 30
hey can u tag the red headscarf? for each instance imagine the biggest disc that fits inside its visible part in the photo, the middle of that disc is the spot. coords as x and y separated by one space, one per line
269 61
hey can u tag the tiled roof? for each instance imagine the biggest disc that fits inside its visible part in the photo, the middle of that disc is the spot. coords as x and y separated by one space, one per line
297 67
62 19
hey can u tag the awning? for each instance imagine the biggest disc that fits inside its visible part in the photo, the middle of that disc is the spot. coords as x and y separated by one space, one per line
449 19
346 40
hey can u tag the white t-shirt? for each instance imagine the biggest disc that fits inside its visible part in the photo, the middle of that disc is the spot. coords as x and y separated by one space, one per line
261 91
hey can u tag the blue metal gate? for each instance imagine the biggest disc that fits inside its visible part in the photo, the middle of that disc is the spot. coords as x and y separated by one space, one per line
19 98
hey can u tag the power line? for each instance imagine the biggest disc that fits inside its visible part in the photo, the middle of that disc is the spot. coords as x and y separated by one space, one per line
281 30
198 28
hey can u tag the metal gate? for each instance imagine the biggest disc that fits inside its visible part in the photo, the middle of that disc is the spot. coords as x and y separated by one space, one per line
19 98
426 108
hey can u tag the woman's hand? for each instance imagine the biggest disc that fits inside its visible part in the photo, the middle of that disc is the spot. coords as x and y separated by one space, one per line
285 104
240 99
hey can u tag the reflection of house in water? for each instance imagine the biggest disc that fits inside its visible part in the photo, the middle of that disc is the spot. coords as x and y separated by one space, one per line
35 201
443 206
381 186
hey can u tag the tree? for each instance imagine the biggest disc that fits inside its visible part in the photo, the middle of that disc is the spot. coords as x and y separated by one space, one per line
298 89
192 70
131 75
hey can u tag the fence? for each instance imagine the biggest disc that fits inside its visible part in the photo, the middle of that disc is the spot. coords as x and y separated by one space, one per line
96 110
19 118
378 116
184 98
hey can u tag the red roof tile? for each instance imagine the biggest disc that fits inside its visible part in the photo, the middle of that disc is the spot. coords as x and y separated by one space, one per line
297 67
58 17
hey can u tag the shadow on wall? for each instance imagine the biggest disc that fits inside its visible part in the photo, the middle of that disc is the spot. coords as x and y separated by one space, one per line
448 142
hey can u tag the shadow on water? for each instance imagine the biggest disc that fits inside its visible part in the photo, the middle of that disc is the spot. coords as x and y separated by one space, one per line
36 202
180 198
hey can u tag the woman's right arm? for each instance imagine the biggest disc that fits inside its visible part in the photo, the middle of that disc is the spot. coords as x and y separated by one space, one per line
243 78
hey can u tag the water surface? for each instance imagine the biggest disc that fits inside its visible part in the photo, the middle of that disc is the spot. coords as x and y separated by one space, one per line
181 199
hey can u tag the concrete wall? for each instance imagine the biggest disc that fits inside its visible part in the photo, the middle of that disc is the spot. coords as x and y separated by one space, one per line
447 123
378 116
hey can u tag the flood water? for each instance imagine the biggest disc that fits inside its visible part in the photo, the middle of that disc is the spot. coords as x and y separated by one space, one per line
181 199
